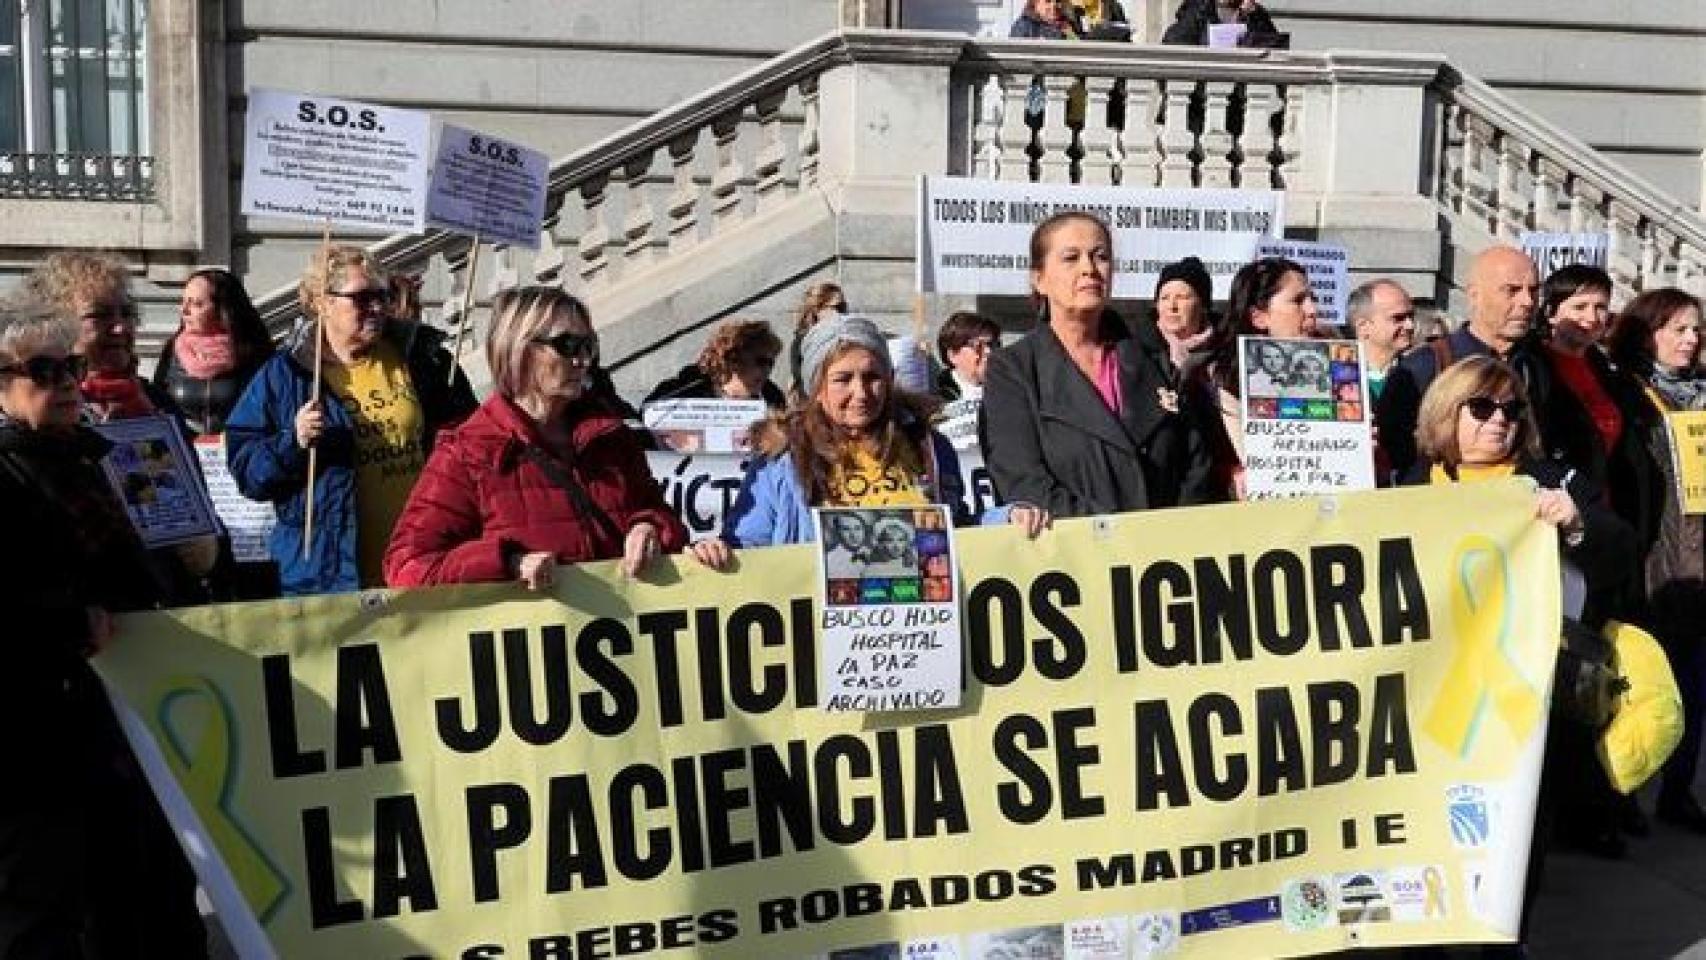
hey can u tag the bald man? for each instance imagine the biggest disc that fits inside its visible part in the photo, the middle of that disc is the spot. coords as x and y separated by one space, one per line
1503 289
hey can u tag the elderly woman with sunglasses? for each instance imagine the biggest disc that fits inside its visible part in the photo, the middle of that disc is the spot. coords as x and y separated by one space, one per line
86 859
387 386
544 473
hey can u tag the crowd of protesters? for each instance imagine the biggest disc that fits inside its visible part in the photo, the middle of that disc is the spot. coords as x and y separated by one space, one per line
383 470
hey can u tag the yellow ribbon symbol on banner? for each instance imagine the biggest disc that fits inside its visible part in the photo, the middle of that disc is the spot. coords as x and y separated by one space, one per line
1434 884
206 774
1482 671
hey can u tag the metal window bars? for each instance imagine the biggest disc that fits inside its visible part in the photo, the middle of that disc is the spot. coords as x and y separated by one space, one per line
73 100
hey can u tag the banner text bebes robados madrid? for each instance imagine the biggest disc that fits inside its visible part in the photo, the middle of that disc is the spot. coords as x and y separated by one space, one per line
1228 731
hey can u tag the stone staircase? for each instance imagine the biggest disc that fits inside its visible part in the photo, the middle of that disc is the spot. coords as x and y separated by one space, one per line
806 168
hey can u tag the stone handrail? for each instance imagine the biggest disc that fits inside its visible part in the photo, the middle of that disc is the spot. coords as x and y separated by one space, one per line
1064 112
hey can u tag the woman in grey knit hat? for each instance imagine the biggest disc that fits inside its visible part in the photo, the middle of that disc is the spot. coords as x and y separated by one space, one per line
851 440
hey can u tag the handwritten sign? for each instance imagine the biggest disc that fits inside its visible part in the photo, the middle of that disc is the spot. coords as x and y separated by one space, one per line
317 158
488 188
1688 442
889 601
1306 418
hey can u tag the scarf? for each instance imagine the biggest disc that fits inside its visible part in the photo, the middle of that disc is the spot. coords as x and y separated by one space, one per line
1681 389
115 396
204 356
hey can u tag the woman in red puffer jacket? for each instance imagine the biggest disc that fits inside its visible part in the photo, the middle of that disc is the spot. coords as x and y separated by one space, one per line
543 473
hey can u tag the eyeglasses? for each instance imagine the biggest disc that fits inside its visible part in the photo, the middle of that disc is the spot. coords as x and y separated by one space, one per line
1482 409
48 372
981 345
368 298
572 346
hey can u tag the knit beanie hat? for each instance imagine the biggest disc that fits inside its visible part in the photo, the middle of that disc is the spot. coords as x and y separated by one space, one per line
1193 273
822 339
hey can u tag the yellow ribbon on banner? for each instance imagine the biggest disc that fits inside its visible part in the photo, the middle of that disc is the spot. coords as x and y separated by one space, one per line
1483 670
1434 884
206 774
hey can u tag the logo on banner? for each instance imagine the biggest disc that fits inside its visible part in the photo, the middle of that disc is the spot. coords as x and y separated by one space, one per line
1416 893
1306 904
1155 935
1469 810
1361 899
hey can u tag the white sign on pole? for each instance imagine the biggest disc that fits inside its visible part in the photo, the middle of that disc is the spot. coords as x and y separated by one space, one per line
249 522
974 235
1327 265
1306 417
487 188
1551 251
326 159
890 622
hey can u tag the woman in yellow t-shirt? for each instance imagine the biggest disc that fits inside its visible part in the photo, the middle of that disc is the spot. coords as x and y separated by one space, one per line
852 441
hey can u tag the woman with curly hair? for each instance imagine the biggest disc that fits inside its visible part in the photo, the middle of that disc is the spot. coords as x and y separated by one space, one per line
735 365
853 442
92 290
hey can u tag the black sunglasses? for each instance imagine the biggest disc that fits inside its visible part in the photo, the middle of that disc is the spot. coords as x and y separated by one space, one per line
572 346
1482 408
367 298
47 372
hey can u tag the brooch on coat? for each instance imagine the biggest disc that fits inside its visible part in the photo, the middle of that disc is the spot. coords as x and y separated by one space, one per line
1169 399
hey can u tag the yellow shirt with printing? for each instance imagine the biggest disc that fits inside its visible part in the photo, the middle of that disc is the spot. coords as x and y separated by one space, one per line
861 480
381 399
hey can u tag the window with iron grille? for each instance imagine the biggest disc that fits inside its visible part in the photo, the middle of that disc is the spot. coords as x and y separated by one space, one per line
73 100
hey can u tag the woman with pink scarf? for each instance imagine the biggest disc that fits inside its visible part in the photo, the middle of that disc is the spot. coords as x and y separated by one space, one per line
220 343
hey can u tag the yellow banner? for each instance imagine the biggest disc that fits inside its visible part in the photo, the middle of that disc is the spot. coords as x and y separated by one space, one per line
1249 730
1688 440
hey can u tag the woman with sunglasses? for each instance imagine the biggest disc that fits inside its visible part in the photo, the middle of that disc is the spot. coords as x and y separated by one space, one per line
735 365
388 386
85 856
544 473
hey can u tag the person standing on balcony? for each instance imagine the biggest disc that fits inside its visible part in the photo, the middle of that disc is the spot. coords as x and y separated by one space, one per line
1658 339
1081 417
1502 292
735 365
220 344
1046 20
1194 17
1384 320
389 387
544 473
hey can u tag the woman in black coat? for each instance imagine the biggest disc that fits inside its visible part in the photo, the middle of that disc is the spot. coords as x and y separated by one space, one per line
1191 22
1081 417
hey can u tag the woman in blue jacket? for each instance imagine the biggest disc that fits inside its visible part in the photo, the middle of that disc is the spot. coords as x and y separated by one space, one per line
854 441
387 387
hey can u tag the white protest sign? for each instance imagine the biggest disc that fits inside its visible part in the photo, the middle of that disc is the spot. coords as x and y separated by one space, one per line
487 188
699 487
890 622
1105 939
1226 35
974 235
958 422
150 470
326 159
703 426
1306 419
249 522
1552 251
1327 265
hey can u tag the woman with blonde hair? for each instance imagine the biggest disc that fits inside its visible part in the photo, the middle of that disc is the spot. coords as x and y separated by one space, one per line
735 365
544 473
388 387
854 441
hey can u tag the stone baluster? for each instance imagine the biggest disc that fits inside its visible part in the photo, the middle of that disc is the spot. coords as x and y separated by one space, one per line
1650 276
1284 127
1255 167
1176 140
1576 203
1622 255
595 230
772 154
725 180
682 207
986 143
811 143
1469 164
1064 100
1216 141
1136 140
1021 143
638 227
1505 213
1092 163
548 262
1691 269
1546 176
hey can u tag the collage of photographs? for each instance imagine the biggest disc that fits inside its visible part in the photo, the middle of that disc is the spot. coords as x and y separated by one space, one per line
1317 380
885 556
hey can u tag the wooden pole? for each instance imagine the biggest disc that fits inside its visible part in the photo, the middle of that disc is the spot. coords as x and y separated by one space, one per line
467 309
314 397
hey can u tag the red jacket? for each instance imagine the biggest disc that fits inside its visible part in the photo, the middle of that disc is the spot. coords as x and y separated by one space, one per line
484 497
